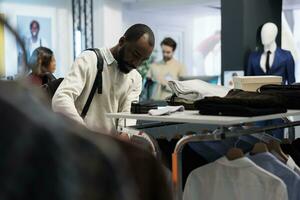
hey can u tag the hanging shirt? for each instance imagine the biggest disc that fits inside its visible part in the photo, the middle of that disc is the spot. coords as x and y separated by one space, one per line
270 163
292 165
296 144
292 151
239 179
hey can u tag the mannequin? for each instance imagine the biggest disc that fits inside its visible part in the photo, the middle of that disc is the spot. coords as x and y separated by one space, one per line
272 60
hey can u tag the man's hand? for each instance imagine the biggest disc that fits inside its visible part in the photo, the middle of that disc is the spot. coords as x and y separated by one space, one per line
124 137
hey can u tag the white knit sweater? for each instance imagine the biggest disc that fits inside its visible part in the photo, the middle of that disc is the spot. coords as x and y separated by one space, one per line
119 90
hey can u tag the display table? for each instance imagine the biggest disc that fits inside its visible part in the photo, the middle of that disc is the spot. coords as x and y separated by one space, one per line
195 117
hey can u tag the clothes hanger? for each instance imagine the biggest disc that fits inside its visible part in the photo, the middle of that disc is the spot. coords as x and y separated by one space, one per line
234 152
274 145
260 146
286 141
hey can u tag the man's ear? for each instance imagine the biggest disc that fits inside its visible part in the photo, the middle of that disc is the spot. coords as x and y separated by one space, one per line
122 41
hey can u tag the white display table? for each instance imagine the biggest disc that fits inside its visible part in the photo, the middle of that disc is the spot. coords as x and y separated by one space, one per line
195 117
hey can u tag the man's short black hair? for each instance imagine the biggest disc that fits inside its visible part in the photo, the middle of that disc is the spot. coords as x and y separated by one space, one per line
136 31
169 42
34 22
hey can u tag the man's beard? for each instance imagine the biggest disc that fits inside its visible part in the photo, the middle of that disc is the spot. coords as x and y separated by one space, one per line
124 66
166 59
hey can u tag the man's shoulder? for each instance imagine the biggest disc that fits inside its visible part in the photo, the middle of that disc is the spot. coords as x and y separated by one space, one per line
86 61
157 64
88 56
134 74
177 63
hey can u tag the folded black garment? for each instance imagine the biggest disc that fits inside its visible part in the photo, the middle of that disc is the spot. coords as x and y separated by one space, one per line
241 103
142 107
177 101
291 93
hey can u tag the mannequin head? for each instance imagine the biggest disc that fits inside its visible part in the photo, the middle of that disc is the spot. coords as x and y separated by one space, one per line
269 32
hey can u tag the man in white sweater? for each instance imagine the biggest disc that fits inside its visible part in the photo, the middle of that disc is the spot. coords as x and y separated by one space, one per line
121 82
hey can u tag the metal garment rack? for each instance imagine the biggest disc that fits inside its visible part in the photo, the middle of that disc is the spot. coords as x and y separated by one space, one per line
221 133
224 133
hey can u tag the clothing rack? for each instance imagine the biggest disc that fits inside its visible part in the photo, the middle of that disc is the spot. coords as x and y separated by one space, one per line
221 134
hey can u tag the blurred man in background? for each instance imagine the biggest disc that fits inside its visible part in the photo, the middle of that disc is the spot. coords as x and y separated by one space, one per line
165 70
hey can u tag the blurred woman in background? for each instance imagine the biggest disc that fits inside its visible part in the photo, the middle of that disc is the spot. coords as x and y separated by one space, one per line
42 64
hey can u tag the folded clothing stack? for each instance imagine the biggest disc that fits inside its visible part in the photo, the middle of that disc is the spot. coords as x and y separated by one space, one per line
290 93
177 101
142 107
196 89
242 103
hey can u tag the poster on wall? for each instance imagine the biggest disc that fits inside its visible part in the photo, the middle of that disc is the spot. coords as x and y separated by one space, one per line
228 77
35 32
2 63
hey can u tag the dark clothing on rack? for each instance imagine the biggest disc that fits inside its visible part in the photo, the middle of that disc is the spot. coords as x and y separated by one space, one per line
296 144
190 159
292 151
213 150
277 133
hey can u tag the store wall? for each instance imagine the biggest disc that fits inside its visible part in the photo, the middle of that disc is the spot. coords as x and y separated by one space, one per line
107 22
60 13
240 21
178 26
2 66
180 20
165 19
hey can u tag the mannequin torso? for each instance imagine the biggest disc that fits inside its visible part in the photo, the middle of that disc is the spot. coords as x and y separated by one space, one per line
281 62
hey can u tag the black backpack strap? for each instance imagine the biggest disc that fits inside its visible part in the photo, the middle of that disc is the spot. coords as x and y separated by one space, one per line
99 67
97 82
